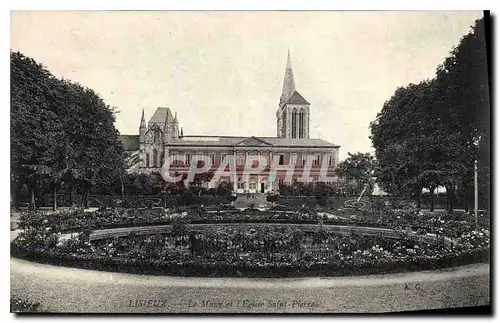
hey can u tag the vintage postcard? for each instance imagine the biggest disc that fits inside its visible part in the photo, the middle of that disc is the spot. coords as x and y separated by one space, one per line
250 161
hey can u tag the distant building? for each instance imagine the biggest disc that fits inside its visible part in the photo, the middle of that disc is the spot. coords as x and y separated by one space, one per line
162 136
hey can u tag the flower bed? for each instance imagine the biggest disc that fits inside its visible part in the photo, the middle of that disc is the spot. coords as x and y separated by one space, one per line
441 223
250 252
74 220
270 251
451 225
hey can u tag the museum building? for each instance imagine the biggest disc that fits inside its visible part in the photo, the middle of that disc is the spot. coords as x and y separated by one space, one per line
292 147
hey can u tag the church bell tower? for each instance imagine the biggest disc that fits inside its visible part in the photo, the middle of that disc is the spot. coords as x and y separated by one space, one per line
293 111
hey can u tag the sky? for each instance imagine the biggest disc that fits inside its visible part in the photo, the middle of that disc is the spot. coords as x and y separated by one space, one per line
222 72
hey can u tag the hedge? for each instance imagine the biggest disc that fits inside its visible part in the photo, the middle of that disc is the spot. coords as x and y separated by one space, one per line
194 269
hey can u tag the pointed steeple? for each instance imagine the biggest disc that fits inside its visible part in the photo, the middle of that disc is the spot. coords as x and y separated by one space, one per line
288 81
165 125
166 132
142 129
288 61
143 121
175 127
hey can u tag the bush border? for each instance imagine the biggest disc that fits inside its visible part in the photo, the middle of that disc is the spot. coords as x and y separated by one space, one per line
191 269
197 269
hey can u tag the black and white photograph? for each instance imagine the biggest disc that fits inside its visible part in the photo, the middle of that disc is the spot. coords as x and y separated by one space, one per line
250 162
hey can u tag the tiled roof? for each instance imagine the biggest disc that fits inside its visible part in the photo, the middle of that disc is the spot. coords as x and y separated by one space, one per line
130 142
160 114
314 142
251 141
296 98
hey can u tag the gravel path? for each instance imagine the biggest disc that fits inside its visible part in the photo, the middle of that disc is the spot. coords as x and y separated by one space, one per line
61 289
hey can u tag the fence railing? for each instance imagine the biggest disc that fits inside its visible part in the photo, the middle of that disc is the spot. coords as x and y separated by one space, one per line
144 201
132 201
397 202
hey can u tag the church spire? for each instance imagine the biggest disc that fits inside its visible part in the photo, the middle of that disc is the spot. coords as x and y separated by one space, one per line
175 127
142 129
143 121
288 82
288 61
166 130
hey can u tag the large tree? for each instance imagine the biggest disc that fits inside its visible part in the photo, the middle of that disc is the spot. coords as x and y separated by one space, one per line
465 107
429 134
94 154
36 126
357 172
409 143
61 132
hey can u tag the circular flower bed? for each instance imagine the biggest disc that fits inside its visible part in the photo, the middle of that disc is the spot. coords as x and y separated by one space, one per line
249 251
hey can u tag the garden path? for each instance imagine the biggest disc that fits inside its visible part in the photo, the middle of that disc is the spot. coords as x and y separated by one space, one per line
61 289
258 199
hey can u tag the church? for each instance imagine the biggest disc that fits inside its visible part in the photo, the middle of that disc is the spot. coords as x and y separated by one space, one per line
162 136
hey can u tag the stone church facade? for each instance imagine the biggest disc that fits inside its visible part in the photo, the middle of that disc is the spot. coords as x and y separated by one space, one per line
162 137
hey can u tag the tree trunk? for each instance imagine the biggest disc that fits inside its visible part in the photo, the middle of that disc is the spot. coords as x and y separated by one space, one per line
450 193
86 198
123 187
432 198
417 193
17 193
465 198
71 196
54 207
32 201
453 198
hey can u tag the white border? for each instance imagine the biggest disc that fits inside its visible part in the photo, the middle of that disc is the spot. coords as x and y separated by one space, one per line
251 5
189 5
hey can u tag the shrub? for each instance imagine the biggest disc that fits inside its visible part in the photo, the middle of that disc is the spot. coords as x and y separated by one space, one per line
224 189
272 198
37 238
187 198
18 305
379 205
179 226
322 199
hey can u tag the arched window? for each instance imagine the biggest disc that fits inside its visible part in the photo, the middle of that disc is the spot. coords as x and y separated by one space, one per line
147 160
155 158
162 158
301 124
284 121
294 123
157 135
